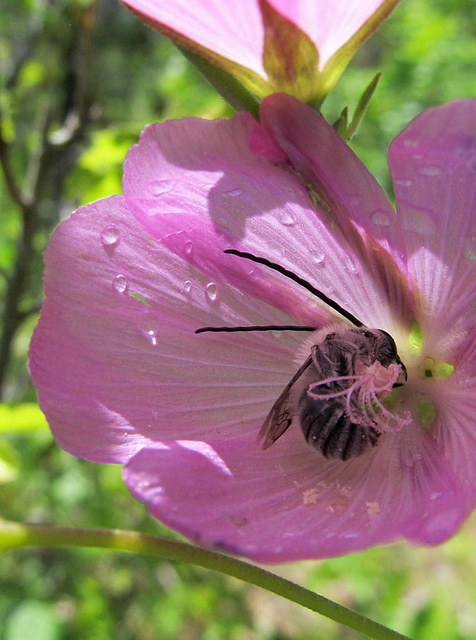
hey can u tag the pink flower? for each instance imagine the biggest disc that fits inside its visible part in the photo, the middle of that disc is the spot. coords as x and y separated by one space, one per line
123 378
297 46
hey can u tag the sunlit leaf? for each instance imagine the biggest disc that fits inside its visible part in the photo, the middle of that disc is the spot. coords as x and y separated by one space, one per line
22 417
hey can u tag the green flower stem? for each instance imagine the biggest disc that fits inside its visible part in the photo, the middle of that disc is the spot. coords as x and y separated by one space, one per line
14 535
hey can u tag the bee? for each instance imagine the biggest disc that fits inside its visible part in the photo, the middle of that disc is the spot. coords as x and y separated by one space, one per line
334 394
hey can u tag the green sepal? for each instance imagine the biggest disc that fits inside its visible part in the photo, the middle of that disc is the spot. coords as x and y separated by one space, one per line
228 86
290 57
362 106
341 124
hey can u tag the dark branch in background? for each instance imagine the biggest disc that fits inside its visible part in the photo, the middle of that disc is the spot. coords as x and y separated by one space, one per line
48 168
10 181
36 28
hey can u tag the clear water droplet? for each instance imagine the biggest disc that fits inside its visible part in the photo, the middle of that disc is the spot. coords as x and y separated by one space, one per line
159 187
233 193
381 218
317 256
149 326
287 218
419 220
119 283
403 183
110 236
350 265
430 170
187 287
211 291
188 248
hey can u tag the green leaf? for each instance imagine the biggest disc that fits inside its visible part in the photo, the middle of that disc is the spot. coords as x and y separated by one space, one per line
9 462
22 417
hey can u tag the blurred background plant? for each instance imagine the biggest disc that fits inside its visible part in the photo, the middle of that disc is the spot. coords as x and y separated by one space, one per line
79 79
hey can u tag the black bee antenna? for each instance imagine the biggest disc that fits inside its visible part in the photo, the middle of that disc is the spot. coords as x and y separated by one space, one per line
289 274
267 327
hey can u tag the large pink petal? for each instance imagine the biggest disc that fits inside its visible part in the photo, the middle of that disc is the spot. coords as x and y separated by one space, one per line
196 184
358 205
433 163
115 358
233 30
289 503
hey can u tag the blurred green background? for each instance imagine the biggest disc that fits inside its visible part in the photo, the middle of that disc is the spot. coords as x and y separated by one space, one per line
79 80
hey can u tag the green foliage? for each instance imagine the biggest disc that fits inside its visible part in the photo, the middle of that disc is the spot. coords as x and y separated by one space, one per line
426 52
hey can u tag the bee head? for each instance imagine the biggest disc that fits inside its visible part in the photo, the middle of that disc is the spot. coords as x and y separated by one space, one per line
386 354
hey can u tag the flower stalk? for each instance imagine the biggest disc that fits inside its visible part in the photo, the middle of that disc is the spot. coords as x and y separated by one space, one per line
15 535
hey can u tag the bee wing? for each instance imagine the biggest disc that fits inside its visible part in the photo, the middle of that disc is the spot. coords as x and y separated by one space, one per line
280 417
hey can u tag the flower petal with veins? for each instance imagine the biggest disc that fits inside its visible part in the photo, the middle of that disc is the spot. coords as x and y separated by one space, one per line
123 377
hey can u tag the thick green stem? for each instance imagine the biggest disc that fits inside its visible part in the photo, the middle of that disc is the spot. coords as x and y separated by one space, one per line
14 535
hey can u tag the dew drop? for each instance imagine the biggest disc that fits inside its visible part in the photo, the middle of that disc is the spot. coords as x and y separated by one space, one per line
149 326
110 236
187 287
119 283
381 218
188 248
159 187
430 170
317 256
350 265
287 218
233 193
403 183
211 291
419 220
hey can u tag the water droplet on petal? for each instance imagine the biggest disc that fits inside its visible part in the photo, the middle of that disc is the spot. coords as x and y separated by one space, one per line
419 220
317 256
188 248
187 287
110 236
159 187
350 265
430 170
403 183
149 326
233 193
120 283
211 291
381 218
287 218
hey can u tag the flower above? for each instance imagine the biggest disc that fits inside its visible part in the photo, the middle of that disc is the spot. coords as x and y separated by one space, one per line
123 376
297 46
